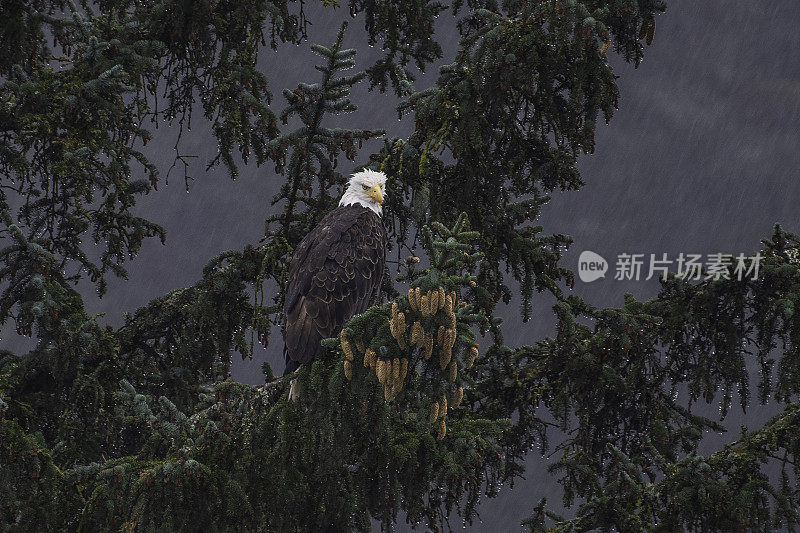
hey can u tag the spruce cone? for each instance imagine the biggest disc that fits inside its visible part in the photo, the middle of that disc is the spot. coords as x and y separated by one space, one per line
473 354
397 326
434 412
382 371
452 370
458 396
433 301
412 300
348 370
423 305
443 407
440 336
445 354
428 345
346 348
397 334
369 358
417 335
442 429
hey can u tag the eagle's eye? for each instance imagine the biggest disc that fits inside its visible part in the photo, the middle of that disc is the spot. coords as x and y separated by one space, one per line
365 187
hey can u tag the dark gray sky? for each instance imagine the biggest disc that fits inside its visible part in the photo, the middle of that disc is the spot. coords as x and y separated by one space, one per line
701 157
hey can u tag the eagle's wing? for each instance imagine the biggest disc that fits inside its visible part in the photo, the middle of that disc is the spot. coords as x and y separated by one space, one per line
335 273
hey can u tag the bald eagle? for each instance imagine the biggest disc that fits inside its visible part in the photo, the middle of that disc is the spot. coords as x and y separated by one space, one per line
336 271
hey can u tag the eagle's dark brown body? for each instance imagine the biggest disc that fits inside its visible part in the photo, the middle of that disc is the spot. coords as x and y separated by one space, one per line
335 273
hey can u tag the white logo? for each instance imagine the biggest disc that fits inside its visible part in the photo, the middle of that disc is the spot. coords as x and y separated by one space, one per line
591 266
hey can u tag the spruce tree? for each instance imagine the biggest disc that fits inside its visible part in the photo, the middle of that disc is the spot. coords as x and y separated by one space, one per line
420 408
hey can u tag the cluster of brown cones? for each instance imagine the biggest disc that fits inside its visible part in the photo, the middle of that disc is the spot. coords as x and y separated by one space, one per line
439 411
429 304
392 373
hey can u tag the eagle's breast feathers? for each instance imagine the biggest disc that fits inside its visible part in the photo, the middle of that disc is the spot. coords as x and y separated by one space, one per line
335 273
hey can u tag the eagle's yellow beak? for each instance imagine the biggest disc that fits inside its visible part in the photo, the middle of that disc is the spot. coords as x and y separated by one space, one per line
375 194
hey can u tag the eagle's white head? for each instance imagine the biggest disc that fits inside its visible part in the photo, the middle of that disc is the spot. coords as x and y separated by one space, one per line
366 187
